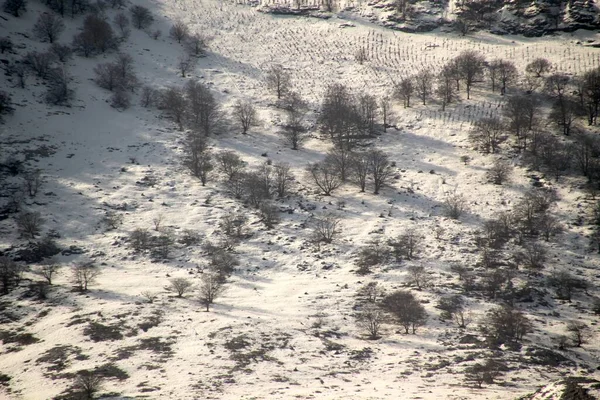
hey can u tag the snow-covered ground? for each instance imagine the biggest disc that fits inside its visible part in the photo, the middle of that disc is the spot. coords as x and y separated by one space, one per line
288 306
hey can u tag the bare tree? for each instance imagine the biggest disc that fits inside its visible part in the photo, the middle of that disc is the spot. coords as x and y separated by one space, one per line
88 383
203 112
230 164
580 332
406 309
380 169
245 113
149 97
522 112
499 172
325 228
186 64
179 31
62 52
591 93
278 80
197 158
282 178
406 245
32 182
404 91
483 373
419 276
141 17
96 36
454 206
507 74
505 324
122 23
84 274
385 105
366 112
424 85
48 270
564 112
445 90
370 319
470 66
359 168
325 176
175 103
341 158
59 90
15 7
48 27
487 134
196 44
30 223
538 67
10 274
211 287
338 115
454 307
294 129
40 63
180 286
269 214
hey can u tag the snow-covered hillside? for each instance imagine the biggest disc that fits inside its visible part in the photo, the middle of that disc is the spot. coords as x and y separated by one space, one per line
286 325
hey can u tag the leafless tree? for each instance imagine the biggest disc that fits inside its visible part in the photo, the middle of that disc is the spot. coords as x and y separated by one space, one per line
404 90
230 164
179 31
149 97
278 80
32 182
96 36
174 102
48 27
84 274
122 23
483 373
470 66
380 169
564 112
15 7
269 214
445 90
505 324
406 309
499 172
565 284
10 274
325 228
557 85
580 332
455 205
196 44
522 112
40 63
141 17
424 84
341 158
454 307
245 113
30 223
203 112
62 52
419 276
180 286
371 292
186 64
293 129
538 67
197 159
59 90
359 168
385 105
406 245
282 178
88 383
338 115
591 93
366 112
48 270
325 176
487 134
211 287
507 74
370 319
107 76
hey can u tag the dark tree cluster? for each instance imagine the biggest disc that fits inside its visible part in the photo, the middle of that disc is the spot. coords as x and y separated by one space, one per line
96 36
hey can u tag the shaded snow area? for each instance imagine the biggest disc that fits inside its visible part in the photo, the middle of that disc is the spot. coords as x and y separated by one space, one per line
285 327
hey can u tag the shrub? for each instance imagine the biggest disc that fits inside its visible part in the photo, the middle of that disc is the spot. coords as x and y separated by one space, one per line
579 332
112 219
419 276
269 215
325 228
505 325
30 224
453 307
370 318
84 274
180 286
211 287
406 245
373 254
455 205
140 239
499 173
407 310
483 373
371 292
